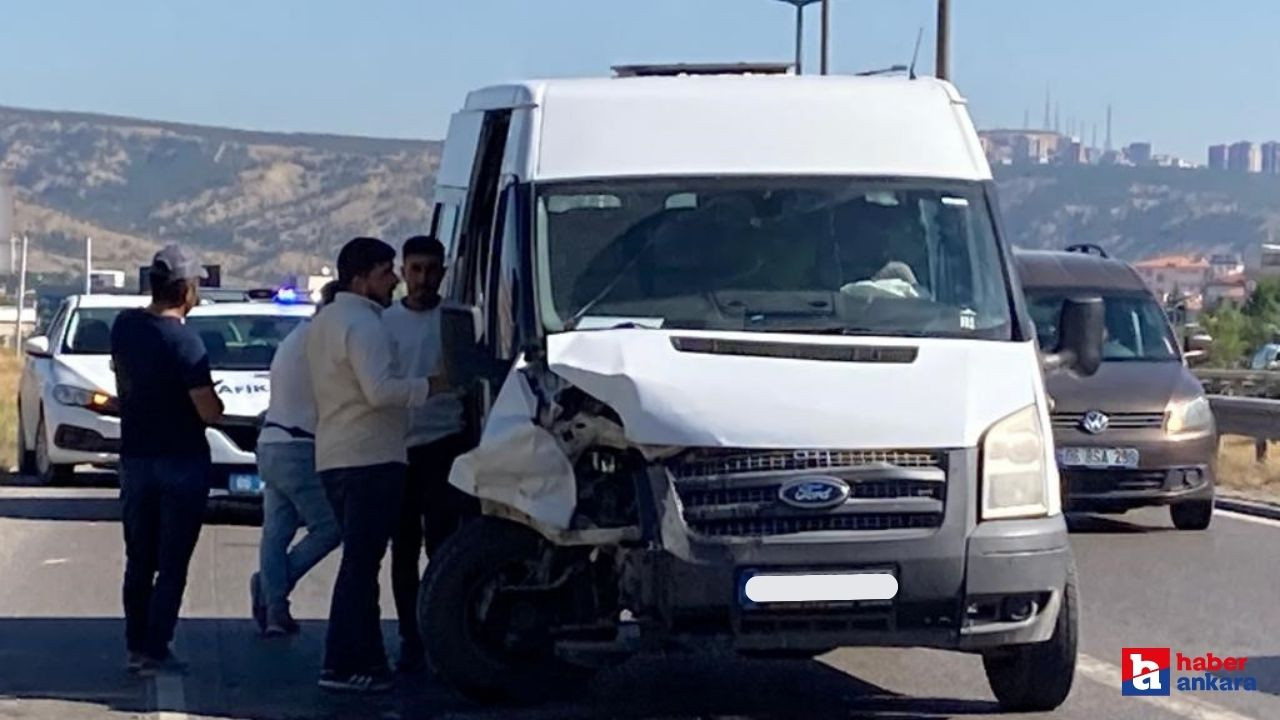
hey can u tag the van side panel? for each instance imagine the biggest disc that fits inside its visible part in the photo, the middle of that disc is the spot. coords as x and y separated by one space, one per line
460 150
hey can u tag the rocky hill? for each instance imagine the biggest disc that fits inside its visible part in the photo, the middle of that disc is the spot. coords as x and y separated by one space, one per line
265 204
261 204
1140 212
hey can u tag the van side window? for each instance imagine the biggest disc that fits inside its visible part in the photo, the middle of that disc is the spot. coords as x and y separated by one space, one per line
478 224
444 223
505 280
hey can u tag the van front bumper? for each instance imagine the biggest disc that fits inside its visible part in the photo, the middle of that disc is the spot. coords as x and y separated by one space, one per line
961 586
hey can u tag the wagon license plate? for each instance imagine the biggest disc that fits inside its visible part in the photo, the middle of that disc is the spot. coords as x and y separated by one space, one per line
1090 457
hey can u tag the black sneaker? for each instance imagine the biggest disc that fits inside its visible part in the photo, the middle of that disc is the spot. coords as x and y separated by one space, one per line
281 623
135 662
411 663
168 665
358 683
257 603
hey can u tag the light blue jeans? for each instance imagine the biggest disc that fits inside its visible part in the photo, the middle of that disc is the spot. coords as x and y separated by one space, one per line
292 497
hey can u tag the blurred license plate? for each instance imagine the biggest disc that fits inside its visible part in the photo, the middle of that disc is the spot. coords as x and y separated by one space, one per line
768 588
1098 457
245 483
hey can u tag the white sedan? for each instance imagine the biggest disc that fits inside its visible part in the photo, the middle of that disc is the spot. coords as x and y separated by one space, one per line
67 406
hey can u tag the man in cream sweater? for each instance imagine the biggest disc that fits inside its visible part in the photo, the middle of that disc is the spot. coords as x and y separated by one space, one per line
362 410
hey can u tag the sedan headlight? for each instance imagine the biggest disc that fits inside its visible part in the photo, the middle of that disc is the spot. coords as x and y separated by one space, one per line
1188 416
94 400
1014 476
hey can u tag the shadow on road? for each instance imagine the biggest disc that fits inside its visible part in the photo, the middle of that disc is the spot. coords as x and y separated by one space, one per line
234 674
1266 668
73 509
69 507
89 479
1109 525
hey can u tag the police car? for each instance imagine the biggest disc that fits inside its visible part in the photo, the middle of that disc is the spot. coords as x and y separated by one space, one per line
68 414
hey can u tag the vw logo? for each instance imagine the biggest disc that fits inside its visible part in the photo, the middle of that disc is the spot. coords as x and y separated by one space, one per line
814 493
1094 422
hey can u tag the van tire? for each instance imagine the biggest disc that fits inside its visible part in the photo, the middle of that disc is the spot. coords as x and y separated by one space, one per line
1038 677
466 566
1192 514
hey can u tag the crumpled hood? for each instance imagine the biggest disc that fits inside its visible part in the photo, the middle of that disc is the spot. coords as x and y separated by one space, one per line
946 397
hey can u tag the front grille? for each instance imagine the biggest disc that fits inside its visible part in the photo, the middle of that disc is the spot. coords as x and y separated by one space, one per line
868 489
712 463
768 526
1116 421
244 437
1091 482
737 493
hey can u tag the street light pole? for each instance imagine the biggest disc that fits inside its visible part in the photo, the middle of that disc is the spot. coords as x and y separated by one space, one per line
800 5
826 36
799 39
944 40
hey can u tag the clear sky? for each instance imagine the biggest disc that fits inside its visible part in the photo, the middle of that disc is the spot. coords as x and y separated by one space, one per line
1180 73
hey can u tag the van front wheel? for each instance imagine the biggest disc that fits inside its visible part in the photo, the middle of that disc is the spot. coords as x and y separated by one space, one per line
1037 677
485 615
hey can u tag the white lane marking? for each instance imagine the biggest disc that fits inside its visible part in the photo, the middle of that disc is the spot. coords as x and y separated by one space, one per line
171 698
1183 705
55 561
1247 518
170 693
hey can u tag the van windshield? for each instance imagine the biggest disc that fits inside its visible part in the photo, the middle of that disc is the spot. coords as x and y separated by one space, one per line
821 255
1135 327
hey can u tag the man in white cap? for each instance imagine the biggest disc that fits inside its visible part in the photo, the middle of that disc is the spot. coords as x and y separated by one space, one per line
166 400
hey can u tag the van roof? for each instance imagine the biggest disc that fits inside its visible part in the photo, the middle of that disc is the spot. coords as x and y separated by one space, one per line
1041 269
745 125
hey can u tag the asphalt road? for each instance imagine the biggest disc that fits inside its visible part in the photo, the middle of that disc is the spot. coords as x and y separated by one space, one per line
1143 585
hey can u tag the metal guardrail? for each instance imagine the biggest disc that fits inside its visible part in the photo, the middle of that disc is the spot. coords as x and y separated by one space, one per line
1258 418
1243 383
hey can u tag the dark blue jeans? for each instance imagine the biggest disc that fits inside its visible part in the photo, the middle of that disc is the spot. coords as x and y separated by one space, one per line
163 503
366 501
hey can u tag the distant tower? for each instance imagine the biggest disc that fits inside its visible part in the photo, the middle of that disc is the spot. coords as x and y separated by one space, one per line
1108 128
1026 119
1057 118
1046 107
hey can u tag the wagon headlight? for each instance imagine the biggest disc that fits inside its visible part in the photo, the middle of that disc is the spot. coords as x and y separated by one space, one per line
1188 416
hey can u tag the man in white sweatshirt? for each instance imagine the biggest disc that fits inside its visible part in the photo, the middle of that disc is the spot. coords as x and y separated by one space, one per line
432 508
293 496
362 408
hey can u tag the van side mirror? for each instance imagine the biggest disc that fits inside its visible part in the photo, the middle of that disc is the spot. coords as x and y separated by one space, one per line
1080 348
37 346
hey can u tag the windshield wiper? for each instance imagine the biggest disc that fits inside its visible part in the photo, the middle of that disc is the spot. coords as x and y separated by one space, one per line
613 283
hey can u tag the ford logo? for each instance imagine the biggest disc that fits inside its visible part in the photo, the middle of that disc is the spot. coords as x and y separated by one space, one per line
814 493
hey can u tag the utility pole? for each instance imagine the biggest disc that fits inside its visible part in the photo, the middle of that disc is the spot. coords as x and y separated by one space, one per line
826 36
944 40
22 298
88 265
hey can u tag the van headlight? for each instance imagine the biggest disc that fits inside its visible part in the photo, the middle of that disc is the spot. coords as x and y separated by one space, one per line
1188 416
1014 476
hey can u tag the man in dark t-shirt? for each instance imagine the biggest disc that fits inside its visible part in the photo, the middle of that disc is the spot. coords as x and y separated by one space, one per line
166 400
